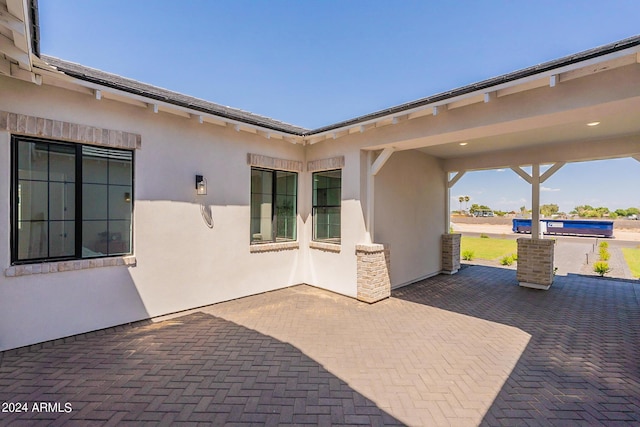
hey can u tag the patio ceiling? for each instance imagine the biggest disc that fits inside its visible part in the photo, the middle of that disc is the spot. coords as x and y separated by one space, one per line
532 122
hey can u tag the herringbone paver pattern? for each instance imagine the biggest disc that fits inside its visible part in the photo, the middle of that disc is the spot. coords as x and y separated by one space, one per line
582 364
196 369
462 350
423 365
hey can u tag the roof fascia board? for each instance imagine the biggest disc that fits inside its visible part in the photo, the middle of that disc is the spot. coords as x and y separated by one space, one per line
634 50
16 16
170 108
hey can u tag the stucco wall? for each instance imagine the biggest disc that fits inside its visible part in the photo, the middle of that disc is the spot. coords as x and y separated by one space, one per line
409 214
181 263
332 270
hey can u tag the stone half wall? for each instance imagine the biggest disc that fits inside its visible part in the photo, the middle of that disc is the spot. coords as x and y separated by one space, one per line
374 272
450 253
535 262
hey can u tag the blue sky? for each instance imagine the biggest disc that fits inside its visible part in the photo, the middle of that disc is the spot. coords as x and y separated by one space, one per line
313 63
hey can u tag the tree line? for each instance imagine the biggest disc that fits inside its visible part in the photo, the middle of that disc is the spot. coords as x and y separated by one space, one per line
551 209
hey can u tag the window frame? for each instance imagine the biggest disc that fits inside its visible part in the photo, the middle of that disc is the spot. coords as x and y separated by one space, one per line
78 217
274 217
315 206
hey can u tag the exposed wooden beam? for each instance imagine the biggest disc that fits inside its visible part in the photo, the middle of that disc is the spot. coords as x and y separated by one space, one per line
10 22
25 75
383 122
9 48
532 84
421 113
400 118
265 134
16 8
524 175
452 180
474 99
381 160
553 169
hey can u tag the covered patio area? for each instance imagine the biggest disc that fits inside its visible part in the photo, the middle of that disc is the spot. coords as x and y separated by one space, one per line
467 349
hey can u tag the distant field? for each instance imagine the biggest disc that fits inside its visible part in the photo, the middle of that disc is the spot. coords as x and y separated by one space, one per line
632 257
489 249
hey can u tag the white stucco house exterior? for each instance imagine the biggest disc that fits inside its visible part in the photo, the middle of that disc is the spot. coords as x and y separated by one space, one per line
101 222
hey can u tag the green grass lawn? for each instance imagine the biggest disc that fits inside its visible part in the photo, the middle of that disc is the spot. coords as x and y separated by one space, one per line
632 257
489 249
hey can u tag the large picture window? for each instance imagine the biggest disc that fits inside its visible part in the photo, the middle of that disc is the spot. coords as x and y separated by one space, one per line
70 201
273 205
327 197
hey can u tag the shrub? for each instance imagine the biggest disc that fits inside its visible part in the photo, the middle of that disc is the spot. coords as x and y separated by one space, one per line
484 236
601 267
515 257
467 255
604 254
507 260
604 245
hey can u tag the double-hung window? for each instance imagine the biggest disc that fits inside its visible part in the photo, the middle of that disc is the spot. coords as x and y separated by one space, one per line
273 205
327 197
69 201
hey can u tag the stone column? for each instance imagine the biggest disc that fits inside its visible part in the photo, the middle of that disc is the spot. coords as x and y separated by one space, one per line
535 263
450 253
374 272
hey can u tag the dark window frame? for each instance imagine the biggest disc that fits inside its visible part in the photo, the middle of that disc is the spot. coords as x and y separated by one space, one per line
78 189
315 206
274 216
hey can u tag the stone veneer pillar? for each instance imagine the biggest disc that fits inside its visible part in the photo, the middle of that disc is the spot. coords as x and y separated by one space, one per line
450 253
374 272
535 263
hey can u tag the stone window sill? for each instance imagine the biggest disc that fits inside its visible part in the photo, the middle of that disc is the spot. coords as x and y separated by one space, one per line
273 247
328 247
60 266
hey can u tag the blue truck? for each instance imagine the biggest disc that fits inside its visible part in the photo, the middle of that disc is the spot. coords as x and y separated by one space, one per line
568 227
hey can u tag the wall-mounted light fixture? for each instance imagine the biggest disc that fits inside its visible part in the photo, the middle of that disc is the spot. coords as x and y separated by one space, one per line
201 185
127 197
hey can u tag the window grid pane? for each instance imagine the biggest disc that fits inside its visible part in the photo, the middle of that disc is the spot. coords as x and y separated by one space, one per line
327 199
46 216
273 205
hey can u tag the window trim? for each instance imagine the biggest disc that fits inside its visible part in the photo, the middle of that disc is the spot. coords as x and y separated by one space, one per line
15 139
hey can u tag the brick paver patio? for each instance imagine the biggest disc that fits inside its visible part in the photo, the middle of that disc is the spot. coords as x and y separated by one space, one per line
468 349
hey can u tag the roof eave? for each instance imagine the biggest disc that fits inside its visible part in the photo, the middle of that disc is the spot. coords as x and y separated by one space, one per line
488 85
